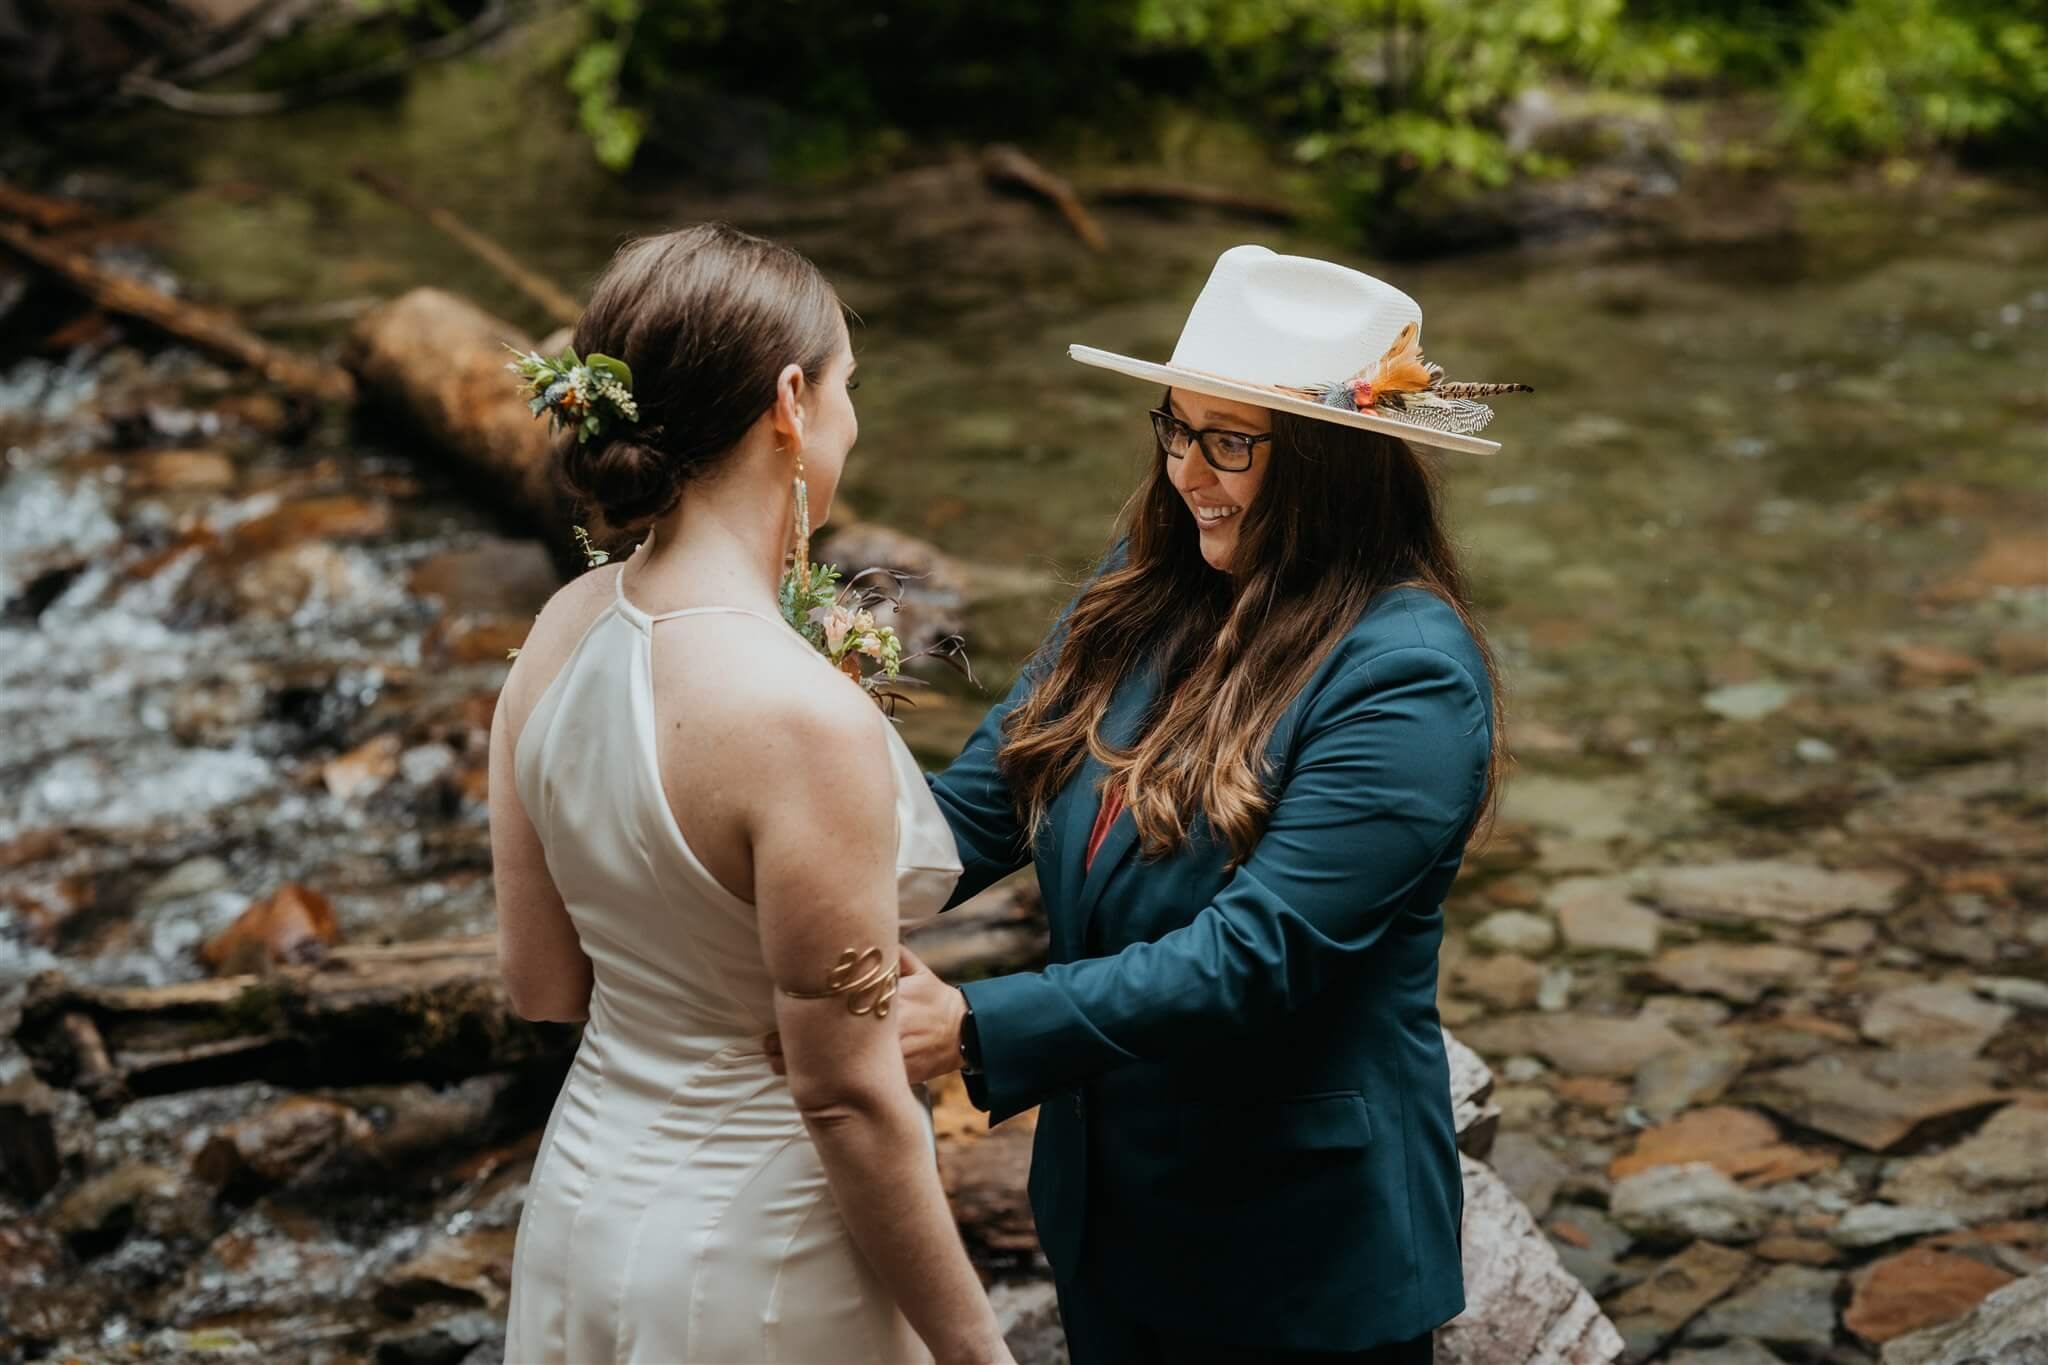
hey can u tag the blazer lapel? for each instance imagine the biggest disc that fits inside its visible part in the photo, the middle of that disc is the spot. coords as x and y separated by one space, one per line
1120 727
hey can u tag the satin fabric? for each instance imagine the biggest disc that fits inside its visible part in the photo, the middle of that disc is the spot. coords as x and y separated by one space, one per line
678 1210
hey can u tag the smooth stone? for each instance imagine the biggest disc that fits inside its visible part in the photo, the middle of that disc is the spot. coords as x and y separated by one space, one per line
1739 972
1676 1080
1521 1305
1916 1289
2010 1327
1934 1016
2000 1171
1747 701
1781 892
1873 1099
1671 1204
1872 1225
1792 1305
1515 931
1577 1044
1652 1312
1600 915
2019 991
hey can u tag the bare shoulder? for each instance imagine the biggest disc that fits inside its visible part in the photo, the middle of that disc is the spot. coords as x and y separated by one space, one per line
553 636
756 681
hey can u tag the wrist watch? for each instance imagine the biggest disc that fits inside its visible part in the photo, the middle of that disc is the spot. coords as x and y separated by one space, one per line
970 1043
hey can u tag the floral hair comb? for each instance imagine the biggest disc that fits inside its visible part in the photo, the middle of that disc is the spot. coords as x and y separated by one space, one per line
592 396
1405 387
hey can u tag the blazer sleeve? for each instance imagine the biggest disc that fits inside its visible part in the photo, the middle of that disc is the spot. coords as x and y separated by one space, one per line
972 792
1384 776
975 799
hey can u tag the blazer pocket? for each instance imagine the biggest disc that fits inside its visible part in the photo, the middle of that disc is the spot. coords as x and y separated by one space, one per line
1329 1120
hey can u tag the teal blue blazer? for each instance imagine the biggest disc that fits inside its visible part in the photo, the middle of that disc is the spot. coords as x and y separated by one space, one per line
1245 1101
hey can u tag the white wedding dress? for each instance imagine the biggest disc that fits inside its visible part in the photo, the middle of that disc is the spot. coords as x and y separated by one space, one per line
678 1212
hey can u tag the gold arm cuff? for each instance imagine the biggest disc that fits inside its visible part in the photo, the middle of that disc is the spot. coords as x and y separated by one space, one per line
869 988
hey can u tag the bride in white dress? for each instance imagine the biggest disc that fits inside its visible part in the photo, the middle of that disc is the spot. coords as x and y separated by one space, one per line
694 821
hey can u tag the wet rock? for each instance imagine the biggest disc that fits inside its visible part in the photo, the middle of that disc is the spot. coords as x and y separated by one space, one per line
1739 1143
1520 1304
448 1340
1677 1079
273 1147
1530 1169
1590 1245
1921 665
935 594
30 1156
295 924
363 770
984 1180
183 471
96 1216
1474 1114
2021 651
470 1268
1934 1016
1748 700
1576 1044
1872 1225
1792 1305
1683 1203
1727 1353
1844 937
1028 1314
339 516
2009 1327
1876 1100
1654 1311
2017 991
2001 1171
2008 560
410 1120
1506 981
1687 1013
1740 972
495 578
1797 1250
1916 1289
1774 891
1515 931
1600 915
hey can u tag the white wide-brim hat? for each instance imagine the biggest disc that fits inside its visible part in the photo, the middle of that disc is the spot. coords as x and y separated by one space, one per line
1320 340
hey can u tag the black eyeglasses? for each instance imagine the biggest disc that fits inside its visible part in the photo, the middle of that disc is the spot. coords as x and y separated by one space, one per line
1227 451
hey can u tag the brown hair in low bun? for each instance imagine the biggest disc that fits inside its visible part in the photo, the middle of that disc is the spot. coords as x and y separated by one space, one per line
706 317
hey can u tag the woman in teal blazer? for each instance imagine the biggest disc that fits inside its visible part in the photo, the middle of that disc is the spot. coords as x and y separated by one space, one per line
1245 1147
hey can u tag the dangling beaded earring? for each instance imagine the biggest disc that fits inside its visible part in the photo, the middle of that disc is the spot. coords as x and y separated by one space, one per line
802 550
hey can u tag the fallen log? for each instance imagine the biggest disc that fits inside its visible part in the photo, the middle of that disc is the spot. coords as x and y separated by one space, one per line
433 1011
438 361
207 328
1008 166
543 292
40 210
1199 196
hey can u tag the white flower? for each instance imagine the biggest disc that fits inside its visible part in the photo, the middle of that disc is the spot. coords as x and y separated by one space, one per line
871 644
838 624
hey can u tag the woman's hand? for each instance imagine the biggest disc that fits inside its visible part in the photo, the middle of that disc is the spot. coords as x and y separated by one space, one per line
928 1014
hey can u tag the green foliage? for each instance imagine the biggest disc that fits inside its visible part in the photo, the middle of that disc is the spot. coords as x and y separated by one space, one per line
1380 97
1889 76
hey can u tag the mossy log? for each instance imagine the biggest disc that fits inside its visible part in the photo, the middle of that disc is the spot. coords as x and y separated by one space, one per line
432 1011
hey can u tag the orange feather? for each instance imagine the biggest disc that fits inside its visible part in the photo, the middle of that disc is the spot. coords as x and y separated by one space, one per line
1401 369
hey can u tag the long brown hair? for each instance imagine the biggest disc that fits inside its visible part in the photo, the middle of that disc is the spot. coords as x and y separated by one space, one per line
1343 514
706 317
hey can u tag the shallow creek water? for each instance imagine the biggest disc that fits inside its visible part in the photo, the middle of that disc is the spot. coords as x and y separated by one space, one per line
1765 498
